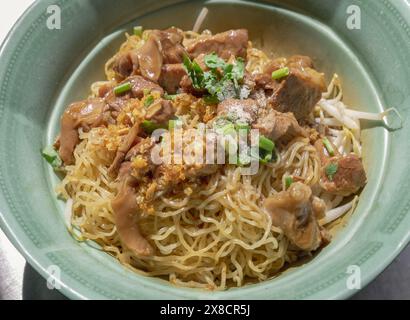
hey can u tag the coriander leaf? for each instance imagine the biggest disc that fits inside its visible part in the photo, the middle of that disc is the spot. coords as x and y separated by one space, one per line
238 69
222 81
228 71
244 92
197 76
227 90
212 61
331 170
210 82
238 73
187 62
194 71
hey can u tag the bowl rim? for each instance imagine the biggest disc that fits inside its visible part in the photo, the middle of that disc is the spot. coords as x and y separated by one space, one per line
75 293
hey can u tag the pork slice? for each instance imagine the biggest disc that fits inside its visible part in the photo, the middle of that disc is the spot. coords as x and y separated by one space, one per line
296 61
141 85
265 81
126 216
171 77
299 92
150 59
300 62
239 111
160 112
225 44
295 212
349 177
171 45
161 47
123 65
279 126
126 144
84 114
146 60
274 65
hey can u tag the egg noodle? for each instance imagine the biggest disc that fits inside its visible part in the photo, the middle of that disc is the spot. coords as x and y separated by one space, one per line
214 234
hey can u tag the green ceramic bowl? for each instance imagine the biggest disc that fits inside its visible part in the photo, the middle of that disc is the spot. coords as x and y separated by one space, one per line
42 70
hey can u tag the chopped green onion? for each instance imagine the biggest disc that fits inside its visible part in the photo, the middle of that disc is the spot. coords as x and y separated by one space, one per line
328 146
138 31
122 88
288 181
174 123
263 156
148 101
244 159
331 170
211 100
228 129
221 123
266 144
280 73
242 126
149 126
170 96
52 157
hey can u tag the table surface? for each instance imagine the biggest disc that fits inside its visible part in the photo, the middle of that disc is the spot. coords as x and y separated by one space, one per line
18 280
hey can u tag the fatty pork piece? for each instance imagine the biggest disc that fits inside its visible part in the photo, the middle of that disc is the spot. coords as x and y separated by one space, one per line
270 123
126 214
279 126
296 211
159 112
243 111
298 92
225 44
341 175
126 144
171 77
139 87
161 48
94 112
171 44
146 61
84 114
